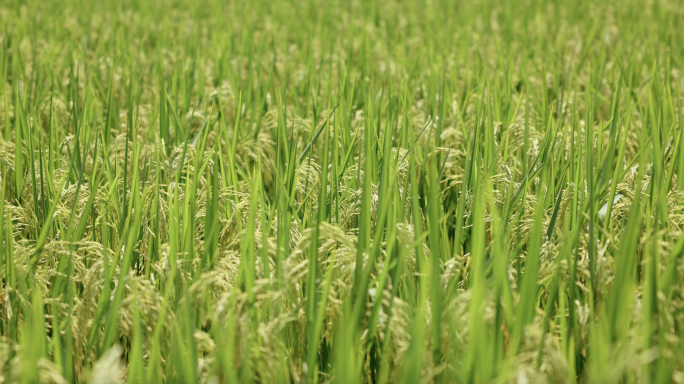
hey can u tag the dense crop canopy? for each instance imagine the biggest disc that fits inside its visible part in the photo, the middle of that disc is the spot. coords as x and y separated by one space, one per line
311 191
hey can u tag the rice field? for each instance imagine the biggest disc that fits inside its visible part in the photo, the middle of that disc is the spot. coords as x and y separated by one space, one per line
328 191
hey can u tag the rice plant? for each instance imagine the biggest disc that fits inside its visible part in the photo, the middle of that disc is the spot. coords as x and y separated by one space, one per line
362 191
